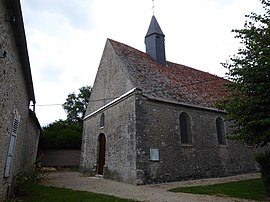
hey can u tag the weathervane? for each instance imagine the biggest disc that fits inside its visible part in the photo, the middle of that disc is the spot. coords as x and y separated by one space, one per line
153 6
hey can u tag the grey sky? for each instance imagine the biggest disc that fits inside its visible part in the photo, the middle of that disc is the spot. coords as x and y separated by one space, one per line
66 38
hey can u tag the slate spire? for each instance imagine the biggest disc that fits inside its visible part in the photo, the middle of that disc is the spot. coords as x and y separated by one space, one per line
154 41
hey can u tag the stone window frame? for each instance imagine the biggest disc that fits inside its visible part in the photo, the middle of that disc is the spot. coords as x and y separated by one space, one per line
102 120
220 131
186 129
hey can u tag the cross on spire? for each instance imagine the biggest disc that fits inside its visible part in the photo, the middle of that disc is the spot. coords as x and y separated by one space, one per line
153 6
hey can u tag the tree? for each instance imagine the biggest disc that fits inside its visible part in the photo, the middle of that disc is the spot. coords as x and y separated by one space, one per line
67 134
75 105
248 103
61 135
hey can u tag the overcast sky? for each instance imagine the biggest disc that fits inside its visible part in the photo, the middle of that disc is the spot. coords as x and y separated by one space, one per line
66 39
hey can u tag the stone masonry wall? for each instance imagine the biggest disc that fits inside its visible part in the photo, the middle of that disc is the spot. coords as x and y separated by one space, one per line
119 129
158 127
28 152
13 96
60 157
111 81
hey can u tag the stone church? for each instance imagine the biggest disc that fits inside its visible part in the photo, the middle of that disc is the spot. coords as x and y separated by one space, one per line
152 121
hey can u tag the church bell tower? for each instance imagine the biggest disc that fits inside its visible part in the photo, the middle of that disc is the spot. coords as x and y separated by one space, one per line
155 42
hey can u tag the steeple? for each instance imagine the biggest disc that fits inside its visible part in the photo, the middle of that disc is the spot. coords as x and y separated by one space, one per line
154 41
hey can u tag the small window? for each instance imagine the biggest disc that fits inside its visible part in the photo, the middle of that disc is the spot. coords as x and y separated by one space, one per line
220 131
102 120
185 130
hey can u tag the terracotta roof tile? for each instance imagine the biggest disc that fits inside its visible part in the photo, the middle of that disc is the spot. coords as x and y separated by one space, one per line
174 82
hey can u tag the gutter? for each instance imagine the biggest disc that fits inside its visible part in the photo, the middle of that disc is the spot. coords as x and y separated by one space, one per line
111 103
150 98
185 104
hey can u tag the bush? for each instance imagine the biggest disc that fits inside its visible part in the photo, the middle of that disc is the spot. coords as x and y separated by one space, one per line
264 160
24 179
61 135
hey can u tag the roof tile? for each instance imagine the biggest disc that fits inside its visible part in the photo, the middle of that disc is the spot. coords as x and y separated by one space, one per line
174 82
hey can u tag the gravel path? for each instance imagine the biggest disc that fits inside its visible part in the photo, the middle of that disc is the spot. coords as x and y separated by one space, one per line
149 193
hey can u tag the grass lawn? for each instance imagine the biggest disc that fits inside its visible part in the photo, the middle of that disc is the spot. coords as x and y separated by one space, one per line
52 194
247 189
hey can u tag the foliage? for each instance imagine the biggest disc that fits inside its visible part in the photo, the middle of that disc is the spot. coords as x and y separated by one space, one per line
75 105
26 178
248 103
263 160
67 134
61 135
247 189
52 194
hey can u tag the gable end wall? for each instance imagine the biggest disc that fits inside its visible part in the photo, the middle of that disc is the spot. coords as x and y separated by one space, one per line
110 82
119 130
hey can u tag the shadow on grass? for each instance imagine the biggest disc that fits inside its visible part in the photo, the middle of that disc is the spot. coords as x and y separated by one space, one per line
246 189
51 194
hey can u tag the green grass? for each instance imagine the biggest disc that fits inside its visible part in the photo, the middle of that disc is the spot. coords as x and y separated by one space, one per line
51 194
247 189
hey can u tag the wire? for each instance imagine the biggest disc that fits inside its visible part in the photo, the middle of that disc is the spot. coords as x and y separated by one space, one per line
49 105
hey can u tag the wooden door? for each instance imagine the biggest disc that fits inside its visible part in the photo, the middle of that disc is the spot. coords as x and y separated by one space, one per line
101 156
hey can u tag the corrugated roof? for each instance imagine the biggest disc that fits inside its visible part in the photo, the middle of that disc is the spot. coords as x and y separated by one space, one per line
174 82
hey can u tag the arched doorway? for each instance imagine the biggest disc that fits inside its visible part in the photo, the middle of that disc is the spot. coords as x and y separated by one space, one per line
101 153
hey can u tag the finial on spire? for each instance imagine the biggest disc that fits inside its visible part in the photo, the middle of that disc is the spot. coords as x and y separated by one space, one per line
153 6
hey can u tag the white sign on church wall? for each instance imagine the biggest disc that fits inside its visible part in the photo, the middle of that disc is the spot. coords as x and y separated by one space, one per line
154 155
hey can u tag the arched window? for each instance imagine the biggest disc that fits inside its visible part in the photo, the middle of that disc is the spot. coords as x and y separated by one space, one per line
185 129
220 131
102 120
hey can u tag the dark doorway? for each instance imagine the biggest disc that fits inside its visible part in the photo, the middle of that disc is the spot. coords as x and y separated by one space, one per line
101 153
